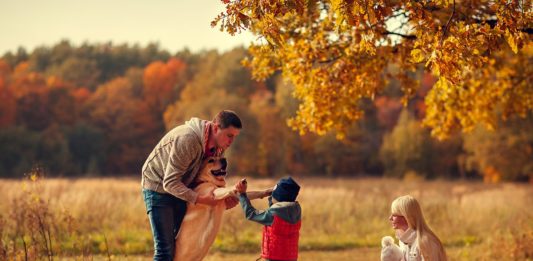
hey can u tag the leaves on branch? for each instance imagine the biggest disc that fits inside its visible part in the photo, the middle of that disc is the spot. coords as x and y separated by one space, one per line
337 52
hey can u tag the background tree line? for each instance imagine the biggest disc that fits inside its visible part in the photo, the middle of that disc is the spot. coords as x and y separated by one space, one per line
98 109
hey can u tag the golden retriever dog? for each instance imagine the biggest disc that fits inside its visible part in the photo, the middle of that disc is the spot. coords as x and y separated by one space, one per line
202 222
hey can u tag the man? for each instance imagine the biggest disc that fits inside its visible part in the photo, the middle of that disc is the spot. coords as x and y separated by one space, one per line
172 166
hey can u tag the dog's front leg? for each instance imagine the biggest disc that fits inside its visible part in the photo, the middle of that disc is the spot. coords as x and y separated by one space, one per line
222 193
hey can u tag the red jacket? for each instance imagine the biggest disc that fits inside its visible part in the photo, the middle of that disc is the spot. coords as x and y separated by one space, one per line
280 240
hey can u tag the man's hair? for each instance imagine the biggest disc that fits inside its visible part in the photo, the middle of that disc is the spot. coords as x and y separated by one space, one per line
227 118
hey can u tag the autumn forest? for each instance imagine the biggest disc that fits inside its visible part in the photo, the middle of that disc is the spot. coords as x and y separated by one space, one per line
98 110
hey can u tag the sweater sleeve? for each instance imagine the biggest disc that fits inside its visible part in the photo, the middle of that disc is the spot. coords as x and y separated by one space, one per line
183 153
264 217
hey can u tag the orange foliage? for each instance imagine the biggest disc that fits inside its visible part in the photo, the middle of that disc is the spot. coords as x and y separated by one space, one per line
159 81
129 125
5 72
81 95
24 81
8 106
427 81
478 59
420 109
491 175
5 69
62 105
21 68
57 82
388 110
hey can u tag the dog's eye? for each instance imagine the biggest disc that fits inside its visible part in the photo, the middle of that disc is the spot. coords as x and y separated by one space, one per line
211 160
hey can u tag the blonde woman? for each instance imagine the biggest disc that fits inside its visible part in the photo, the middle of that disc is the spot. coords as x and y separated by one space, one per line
417 241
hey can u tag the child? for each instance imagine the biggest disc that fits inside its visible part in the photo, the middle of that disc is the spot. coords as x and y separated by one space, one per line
282 219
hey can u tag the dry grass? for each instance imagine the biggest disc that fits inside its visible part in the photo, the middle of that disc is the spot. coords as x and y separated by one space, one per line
343 219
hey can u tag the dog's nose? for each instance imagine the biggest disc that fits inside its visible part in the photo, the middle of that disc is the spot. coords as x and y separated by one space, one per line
224 163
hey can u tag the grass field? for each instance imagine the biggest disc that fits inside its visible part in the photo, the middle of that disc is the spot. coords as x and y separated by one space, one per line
343 219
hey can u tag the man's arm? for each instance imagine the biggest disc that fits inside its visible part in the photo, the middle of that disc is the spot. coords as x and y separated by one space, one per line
183 153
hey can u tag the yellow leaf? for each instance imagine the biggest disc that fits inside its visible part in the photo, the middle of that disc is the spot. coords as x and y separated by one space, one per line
417 55
510 40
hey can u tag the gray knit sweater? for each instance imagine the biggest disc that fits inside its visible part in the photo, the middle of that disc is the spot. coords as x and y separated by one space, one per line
175 161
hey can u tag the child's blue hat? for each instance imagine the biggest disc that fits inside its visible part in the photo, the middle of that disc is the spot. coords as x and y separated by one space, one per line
286 190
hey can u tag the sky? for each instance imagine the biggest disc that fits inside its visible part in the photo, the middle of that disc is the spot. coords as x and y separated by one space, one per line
173 24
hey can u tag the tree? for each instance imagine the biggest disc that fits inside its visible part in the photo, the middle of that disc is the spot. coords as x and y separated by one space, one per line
33 110
14 59
18 149
130 130
335 53
355 155
503 154
299 151
8 106
53 151
80 72
62 105
161 83
269 154
388 110
406 148
86 146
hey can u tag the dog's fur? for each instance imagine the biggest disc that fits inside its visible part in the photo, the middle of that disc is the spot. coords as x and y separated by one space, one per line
202 222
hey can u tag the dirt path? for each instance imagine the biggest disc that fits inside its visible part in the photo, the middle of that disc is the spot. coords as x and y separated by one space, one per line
359 254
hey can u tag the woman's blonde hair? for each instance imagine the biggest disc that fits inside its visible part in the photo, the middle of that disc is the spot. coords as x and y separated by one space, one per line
430 246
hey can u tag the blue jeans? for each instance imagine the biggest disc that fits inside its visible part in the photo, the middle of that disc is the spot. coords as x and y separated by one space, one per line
165 213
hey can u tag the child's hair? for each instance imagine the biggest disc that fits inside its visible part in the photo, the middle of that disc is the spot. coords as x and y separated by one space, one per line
430 245
286 190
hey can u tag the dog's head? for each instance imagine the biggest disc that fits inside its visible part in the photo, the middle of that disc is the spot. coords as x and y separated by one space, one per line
213 170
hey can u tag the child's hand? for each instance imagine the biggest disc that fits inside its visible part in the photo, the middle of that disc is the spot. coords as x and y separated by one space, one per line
267 192
241 186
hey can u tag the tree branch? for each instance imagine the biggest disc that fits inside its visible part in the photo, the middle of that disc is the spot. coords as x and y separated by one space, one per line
493 22
406 36
330 60
448 24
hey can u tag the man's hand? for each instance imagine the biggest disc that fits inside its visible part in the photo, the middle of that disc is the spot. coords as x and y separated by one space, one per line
208 199
231 202
241 186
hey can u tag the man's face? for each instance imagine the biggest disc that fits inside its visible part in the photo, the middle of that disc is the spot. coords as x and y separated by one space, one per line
224 137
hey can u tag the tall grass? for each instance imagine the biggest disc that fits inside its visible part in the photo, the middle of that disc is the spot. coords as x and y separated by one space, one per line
42 219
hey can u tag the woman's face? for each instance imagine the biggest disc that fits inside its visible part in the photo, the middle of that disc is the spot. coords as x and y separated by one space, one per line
398 222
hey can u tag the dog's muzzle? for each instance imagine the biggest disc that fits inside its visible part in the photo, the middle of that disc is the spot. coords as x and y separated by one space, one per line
218 172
